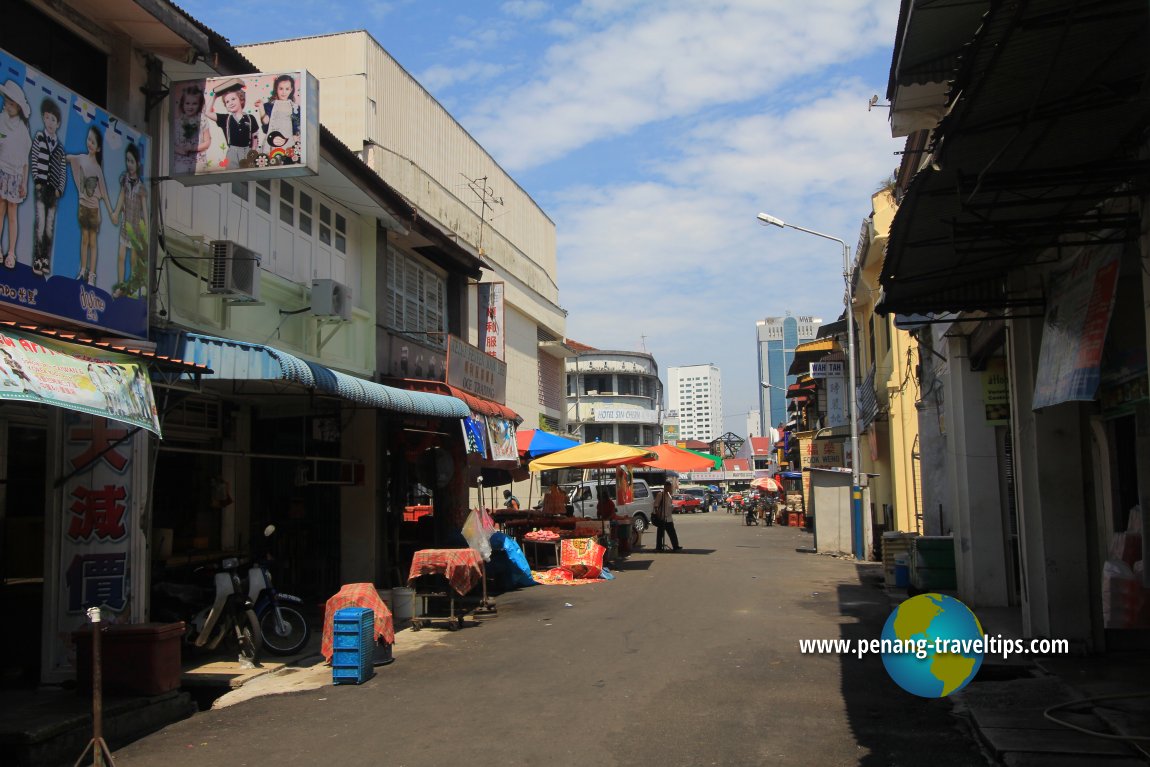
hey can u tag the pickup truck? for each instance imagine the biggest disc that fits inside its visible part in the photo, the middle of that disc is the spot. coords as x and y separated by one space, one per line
584 497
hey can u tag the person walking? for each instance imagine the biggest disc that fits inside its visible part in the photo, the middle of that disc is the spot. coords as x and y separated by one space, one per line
664 519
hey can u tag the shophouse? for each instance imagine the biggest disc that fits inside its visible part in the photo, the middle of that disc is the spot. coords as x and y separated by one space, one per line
1018 251
406 137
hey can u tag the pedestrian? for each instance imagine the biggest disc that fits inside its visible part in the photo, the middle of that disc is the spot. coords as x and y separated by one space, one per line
606 507
664 519
510 502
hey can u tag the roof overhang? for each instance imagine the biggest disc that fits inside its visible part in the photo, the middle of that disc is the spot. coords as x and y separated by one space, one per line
1047 110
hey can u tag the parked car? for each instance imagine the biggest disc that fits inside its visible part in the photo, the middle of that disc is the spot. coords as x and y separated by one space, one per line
698 498
584 498
685 503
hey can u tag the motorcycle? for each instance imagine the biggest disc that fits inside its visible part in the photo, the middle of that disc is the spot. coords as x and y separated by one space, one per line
214 615
284 629
751 515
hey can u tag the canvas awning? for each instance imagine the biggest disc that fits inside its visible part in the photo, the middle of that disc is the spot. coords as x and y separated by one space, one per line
812 351
592 455
476 403
268 369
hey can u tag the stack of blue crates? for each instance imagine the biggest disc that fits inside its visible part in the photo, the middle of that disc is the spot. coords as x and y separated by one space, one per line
353 644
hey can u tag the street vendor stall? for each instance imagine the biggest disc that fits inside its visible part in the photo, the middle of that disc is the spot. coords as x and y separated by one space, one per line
445 573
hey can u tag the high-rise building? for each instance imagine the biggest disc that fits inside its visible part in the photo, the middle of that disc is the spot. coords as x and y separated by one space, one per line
696 393
776 339
754 424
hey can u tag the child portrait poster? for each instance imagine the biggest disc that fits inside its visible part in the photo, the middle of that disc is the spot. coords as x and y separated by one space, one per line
105 286
262 125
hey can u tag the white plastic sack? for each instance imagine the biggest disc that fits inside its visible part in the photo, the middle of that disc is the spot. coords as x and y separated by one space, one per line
477 531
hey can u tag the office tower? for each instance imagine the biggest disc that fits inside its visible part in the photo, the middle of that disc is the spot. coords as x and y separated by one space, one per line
776 339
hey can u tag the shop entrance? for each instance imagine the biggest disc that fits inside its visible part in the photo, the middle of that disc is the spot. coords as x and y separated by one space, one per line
23 479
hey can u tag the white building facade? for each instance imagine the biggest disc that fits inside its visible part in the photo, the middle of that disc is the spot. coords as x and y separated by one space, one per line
380 111
615 396
696 393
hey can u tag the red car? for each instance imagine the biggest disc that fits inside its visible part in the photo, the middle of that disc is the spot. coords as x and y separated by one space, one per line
686 504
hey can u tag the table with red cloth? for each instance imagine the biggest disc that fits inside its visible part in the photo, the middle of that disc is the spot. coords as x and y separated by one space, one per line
463 568
356 595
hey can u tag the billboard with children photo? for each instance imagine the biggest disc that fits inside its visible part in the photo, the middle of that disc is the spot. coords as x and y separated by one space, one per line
74 186
250 126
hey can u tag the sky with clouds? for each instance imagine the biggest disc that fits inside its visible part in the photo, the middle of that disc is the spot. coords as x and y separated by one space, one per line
652 132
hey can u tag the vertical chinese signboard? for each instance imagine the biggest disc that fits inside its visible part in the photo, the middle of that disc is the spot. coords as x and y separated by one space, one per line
492 338
100 541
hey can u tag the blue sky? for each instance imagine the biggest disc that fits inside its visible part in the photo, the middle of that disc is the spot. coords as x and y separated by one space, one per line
652 132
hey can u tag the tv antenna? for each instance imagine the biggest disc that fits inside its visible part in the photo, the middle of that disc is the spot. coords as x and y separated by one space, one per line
643 343
487 200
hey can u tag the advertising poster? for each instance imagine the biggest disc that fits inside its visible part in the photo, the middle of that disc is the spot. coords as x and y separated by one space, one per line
1081 298
255 126
501 439
475 435
996 392
75 192
64 375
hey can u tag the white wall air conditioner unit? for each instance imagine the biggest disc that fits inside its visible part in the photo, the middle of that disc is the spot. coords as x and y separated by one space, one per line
235 272
331 299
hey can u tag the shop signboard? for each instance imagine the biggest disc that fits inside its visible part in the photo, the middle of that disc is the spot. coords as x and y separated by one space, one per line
996 392
470 369
246 127
820 454
492 337
829 369
45 371
838 406
76 234
411 360
98 535
604 414
1080 301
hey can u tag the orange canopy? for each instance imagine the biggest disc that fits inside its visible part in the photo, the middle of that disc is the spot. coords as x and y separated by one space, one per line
674 458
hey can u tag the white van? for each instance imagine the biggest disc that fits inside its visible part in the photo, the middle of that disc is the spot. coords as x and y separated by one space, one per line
584 497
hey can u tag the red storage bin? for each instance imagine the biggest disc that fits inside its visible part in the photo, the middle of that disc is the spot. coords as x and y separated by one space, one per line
413 513
136 658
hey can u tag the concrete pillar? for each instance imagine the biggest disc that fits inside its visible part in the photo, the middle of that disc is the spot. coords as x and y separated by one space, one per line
979 541
1052 512
360 512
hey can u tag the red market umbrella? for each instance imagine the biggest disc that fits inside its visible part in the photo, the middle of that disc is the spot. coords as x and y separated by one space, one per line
766 483
674 458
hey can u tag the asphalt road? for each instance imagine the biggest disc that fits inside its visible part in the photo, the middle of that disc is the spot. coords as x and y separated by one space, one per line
686 658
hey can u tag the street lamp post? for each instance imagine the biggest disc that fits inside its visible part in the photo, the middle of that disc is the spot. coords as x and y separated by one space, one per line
856 484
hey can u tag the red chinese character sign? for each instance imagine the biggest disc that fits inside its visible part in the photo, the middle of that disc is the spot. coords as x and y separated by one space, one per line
98 536
492 338
35 369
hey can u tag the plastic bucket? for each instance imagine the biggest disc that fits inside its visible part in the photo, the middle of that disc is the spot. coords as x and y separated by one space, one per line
402 604
385 597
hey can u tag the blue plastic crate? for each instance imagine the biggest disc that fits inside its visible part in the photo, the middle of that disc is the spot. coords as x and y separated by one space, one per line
353 643
350 674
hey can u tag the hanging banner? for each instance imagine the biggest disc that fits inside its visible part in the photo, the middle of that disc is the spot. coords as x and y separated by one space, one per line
1081 299
98 533
501 439
492 338
74 182
70 376
255 126
475 435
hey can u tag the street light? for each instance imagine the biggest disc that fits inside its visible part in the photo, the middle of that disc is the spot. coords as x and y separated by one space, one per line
856 491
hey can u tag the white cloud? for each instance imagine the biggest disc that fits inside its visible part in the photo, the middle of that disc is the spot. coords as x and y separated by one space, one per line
617 69
525 9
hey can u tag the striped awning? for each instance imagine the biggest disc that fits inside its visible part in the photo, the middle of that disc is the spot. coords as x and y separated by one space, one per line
232 360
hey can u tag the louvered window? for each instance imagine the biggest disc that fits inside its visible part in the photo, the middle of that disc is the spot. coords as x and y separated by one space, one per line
417 300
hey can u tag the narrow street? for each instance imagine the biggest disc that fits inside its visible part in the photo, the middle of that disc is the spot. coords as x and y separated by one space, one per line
687 658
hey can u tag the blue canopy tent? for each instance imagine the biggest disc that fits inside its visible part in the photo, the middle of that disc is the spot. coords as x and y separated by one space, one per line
536 442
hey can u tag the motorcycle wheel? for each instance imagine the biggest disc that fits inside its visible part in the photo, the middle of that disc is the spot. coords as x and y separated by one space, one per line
293 640
249 635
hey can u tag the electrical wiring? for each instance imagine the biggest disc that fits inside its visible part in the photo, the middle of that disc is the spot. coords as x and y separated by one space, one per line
1133 740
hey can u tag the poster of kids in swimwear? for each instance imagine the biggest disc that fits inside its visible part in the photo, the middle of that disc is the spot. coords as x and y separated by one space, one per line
74 205
258 126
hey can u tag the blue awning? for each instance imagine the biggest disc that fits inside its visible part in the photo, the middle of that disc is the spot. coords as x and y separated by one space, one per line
233 360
